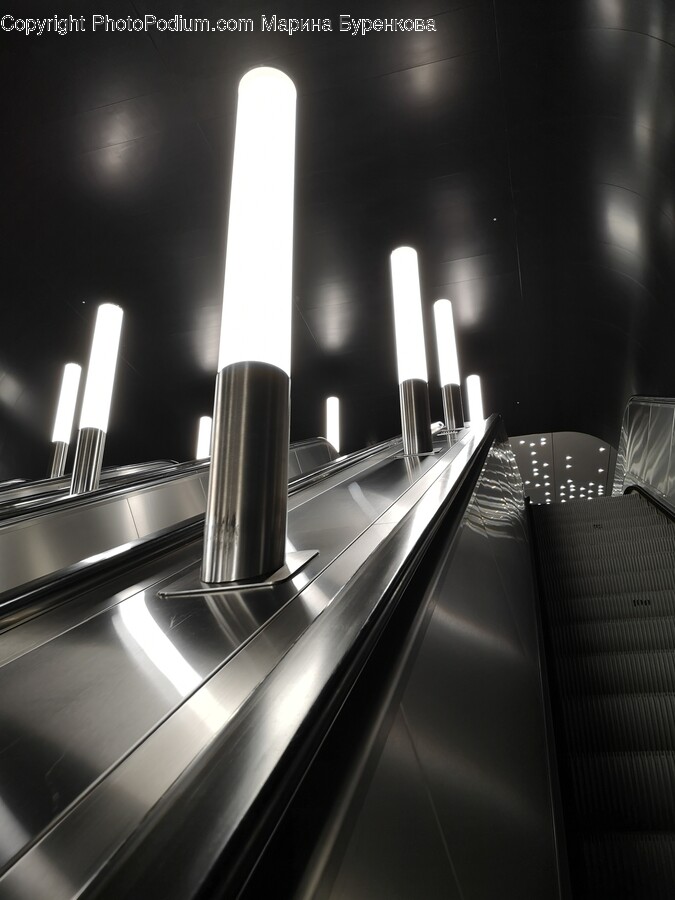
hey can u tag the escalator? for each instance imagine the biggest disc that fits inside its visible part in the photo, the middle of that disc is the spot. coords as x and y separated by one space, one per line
607 574
379 727
116 692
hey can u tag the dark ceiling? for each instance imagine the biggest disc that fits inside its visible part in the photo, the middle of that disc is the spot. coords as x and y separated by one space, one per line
525 148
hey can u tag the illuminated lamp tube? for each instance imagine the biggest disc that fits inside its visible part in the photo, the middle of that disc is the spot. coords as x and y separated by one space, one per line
333 422
204 437
448 365
410 352
97 399
245 525
65 413
474 399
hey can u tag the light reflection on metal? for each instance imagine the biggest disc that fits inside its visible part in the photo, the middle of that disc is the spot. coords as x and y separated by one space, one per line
139 625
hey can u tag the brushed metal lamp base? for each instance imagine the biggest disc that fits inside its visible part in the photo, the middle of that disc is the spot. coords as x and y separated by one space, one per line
191 585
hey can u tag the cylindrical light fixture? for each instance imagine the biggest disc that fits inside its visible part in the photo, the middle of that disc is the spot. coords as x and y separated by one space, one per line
204 437
448 365
474 399
410 351
333 422
97 399
65 413
245 528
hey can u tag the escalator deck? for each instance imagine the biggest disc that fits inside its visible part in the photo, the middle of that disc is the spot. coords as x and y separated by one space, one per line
607 576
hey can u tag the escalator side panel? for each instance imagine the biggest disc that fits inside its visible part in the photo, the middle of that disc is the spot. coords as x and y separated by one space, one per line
456 800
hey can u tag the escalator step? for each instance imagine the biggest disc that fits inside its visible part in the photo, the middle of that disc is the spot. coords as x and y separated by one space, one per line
618 582
596 549
620 722
608 584
616 673
625 791
644 605
615 636
635 865
560 566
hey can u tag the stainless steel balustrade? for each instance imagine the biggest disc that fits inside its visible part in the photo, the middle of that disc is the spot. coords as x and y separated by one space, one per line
43 536
646 454
157 658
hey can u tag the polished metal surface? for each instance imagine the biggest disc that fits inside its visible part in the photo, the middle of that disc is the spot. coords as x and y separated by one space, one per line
90 747
191 585
415 416
58 466
453 797
71 530
245 526
448 409
88 460
40 545
646 454
306 456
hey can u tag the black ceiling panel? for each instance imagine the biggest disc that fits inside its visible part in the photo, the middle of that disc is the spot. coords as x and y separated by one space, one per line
524 148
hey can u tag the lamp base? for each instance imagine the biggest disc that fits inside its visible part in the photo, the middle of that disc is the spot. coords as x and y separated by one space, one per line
191 585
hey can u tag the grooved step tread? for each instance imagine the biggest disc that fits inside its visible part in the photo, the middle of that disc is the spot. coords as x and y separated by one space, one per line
616 673
643 605
628 866
619 722
625 791
608 587
615 636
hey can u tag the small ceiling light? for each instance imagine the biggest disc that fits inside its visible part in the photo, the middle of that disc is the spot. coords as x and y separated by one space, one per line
527 482
601 470
568 466
568 457
522 442
531 443
602 449
545 464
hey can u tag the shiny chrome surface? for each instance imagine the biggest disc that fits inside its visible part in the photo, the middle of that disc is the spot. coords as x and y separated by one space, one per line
453 798
448 410
306 456
88 460
415 416
645 456
90 747
70 530
58 466
245 526
191 585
